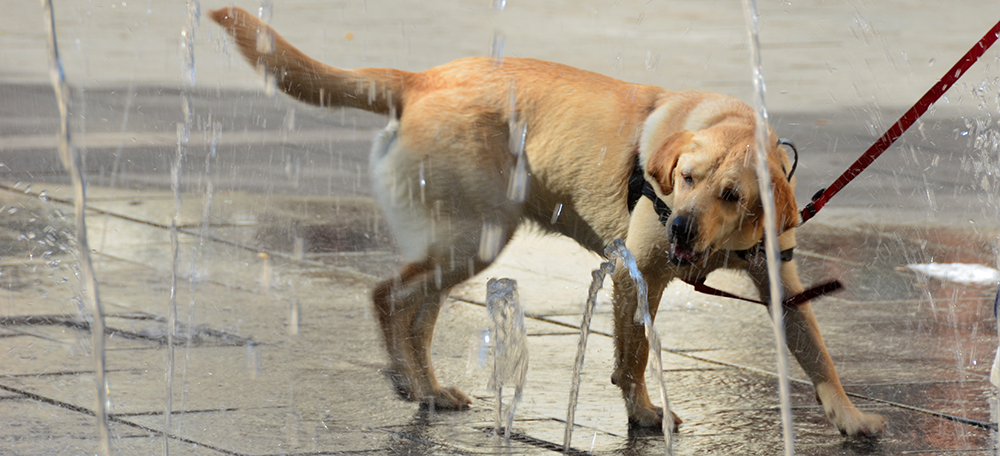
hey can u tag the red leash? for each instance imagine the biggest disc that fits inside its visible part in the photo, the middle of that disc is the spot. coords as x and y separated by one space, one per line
903 123
793 301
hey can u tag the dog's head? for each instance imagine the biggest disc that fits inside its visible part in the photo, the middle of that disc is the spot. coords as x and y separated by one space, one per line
710 177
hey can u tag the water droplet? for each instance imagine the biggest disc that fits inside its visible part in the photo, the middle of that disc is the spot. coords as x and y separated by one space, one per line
265 41
269 80
555 213
517 190
289 124
293 169
423 183
293 317
489 241
652 60
253 360
266 273
298 248
496 47
187 45
265 11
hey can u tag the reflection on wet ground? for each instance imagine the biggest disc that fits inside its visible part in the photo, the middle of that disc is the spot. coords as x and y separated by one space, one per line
915 350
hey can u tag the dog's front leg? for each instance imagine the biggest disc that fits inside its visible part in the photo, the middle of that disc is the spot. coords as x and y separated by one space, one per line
632 353
631 345
806 344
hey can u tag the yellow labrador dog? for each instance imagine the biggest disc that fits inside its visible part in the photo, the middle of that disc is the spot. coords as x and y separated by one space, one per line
671 173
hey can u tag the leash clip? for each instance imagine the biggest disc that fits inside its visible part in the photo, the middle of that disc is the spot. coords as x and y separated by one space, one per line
795 164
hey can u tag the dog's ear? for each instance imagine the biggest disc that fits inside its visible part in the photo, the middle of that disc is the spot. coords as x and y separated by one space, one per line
660 164
784 202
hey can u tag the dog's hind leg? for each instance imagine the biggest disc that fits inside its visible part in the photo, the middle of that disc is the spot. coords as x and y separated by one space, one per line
395 331
407 308
806 344
441 174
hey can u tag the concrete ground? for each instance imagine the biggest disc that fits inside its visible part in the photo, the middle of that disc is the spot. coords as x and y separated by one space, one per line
277 351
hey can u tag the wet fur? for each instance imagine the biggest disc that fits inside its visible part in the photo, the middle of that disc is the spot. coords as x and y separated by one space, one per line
442 170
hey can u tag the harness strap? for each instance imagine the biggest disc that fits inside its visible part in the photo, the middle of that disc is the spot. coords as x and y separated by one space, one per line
638 187
793 301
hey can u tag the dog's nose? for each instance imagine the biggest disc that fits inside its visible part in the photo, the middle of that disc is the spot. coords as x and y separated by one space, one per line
683 231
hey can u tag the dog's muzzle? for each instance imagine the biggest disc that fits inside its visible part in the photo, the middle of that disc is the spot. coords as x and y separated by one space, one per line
682 232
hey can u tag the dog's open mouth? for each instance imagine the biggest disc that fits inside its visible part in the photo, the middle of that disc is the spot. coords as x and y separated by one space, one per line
683 256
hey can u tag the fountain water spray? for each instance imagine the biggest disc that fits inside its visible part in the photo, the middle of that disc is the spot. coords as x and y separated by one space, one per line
73 161
183 136
598 275
618 251
510 346
770 226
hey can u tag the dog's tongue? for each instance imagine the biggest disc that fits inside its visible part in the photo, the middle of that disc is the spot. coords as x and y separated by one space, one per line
682 253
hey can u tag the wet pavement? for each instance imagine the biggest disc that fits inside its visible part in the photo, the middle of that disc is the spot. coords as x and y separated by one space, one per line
277 351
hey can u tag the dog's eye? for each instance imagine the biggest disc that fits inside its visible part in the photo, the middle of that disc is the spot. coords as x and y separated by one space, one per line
688 179
730 195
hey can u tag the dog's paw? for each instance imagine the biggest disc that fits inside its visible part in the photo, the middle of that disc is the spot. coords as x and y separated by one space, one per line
860 424
400 383
651 418
447 399
850 421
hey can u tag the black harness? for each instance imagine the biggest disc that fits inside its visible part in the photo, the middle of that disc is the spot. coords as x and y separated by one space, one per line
639 187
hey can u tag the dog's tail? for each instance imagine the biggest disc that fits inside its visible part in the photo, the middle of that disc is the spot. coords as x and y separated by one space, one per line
373 89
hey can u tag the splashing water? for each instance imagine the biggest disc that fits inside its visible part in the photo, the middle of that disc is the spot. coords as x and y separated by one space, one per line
293 317
187 44
266 272
510 346
770 226
618 251
196 259
265 38
490 242
598 275
517 188
496 47
73 161
183 136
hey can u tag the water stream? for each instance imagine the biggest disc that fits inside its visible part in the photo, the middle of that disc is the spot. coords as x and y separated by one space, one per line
73 161
618 251
183 136
770 226
598 275
510 347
